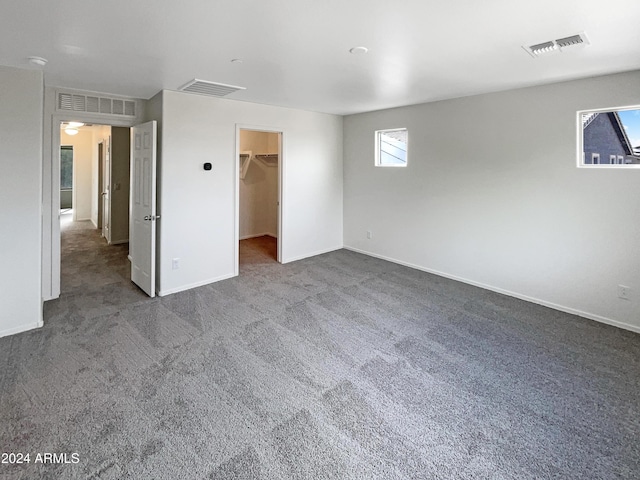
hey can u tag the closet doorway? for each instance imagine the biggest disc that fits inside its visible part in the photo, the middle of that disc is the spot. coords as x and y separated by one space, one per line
259 174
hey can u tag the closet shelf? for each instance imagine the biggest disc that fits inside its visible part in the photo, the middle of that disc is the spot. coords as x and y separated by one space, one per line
268 159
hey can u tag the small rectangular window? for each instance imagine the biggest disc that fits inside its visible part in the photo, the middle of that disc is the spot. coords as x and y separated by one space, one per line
66 167
391 147
609 137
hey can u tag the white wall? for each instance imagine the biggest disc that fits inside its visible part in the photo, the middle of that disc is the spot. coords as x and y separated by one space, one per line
198 208
21 106
82 144
492 196
259 187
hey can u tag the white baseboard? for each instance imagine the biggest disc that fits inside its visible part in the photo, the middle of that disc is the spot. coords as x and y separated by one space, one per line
266 234
182 288
555 306
95 224
311 254
119 242
20 329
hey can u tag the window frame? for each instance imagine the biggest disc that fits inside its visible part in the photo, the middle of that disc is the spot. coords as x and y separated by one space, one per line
580 156
377 138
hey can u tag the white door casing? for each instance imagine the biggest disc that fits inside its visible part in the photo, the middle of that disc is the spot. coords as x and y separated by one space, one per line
142 202
51 189
281 197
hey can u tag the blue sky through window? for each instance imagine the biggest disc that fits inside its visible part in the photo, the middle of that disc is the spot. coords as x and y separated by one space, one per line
392 148
631 122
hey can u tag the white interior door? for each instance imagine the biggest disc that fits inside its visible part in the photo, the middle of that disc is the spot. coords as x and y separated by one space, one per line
142 229
106 181
100 183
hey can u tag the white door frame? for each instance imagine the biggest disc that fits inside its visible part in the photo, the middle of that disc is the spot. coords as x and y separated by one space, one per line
281 190
105 194
53 273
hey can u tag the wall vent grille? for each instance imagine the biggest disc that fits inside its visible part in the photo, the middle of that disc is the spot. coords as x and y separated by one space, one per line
118 107
72 102
93 104
64 102
105 105
79 103
212 89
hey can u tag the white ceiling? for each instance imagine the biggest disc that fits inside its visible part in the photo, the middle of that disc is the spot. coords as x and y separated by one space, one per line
296 52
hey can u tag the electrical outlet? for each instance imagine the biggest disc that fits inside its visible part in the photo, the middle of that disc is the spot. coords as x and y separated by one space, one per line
623 292
369 235
175 264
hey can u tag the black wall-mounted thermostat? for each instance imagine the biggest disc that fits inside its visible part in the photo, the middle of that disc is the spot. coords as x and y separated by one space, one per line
207 166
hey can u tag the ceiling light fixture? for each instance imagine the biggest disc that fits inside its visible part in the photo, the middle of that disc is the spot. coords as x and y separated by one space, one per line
359 50
236 60
38 61
75 124
71 131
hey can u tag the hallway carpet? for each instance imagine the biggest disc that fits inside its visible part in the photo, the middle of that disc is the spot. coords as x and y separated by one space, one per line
340 366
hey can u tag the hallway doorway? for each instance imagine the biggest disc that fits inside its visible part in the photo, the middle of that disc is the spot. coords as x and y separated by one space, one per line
94 216
51 257
259 211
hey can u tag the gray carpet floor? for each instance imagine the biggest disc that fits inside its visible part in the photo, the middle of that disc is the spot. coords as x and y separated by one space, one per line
340 366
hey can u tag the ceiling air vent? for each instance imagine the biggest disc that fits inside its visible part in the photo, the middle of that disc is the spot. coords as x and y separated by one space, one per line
556 45
541 48
572 40
212 89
